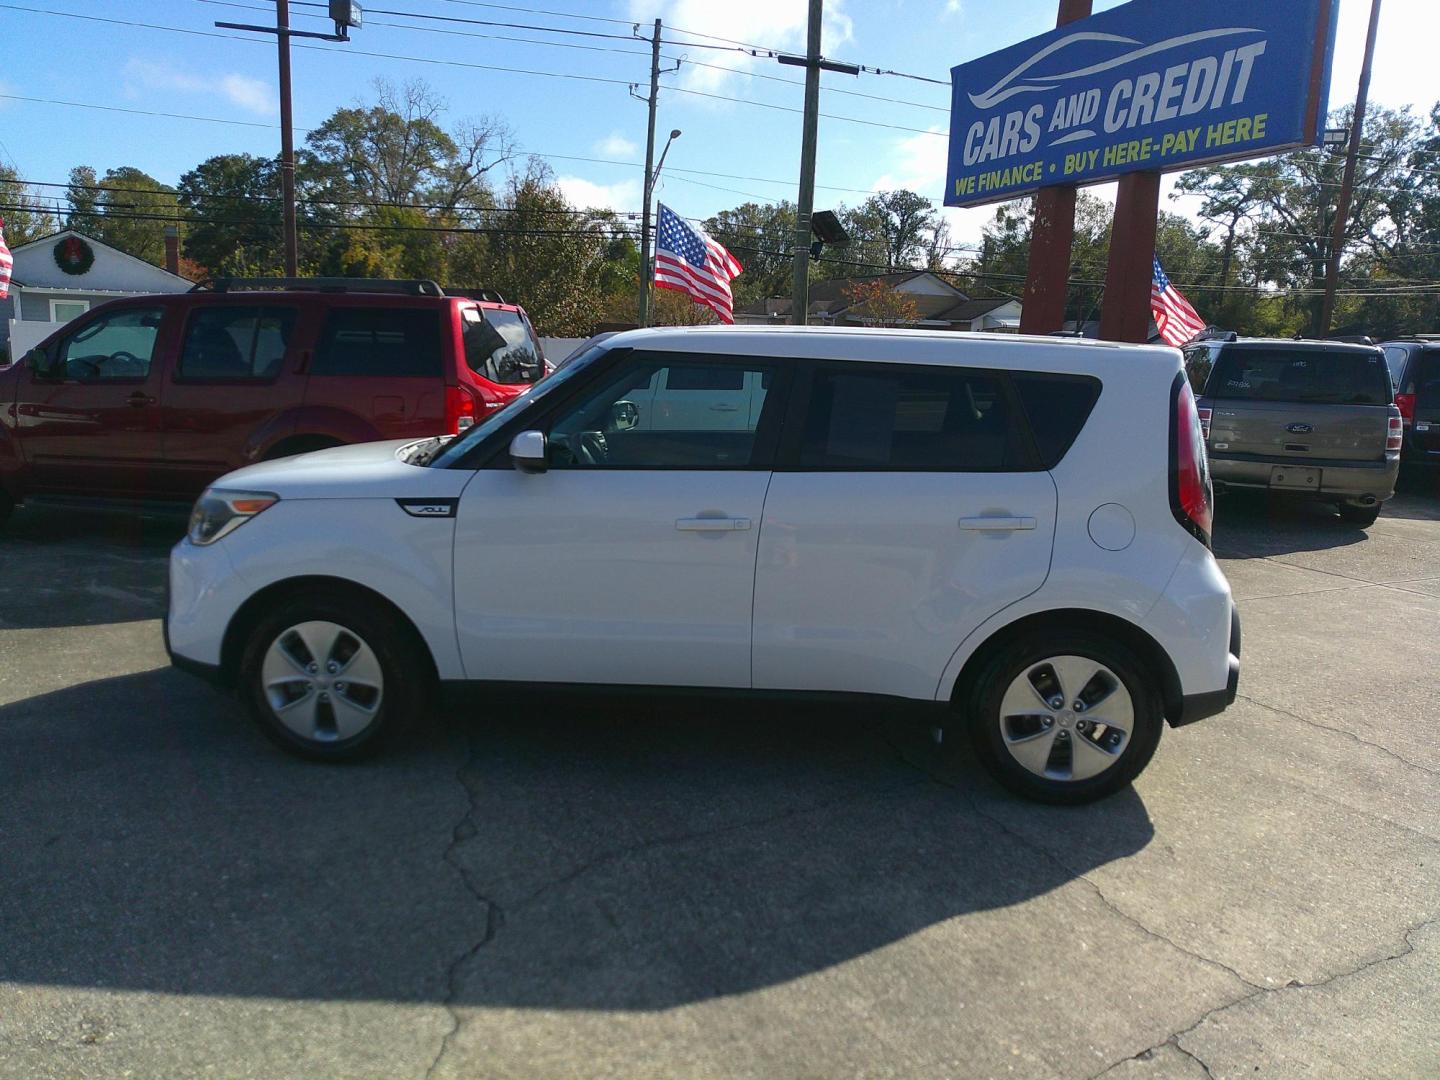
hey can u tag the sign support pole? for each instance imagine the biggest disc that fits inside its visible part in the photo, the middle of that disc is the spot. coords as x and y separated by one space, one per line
1125 315
1052 234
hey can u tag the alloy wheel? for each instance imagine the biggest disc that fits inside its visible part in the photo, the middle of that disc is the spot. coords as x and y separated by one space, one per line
1066 718
322 681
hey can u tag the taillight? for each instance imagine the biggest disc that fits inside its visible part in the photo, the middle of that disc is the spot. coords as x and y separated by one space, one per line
459 409
1406 404
1191 499
1395 434
1204 423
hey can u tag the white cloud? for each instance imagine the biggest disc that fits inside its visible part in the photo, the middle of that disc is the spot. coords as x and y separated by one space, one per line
252 95
775 24
586 194
255 95
616 145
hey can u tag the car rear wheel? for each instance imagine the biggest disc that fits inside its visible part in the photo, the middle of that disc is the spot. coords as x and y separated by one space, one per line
1066 717
1364 516
332 677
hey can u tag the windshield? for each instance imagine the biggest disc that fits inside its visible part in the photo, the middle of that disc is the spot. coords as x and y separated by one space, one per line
458 448
1302 375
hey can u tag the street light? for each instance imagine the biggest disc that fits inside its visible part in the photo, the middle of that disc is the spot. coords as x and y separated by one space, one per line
674 134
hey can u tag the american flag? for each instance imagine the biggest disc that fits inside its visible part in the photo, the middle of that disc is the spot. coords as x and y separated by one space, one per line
1176 320
6 263
688 261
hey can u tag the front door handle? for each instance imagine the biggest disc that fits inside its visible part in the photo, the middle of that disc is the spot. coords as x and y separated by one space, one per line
139 400
712 524
724 408
997 524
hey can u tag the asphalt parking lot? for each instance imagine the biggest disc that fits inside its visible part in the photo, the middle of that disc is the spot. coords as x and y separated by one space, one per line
560 888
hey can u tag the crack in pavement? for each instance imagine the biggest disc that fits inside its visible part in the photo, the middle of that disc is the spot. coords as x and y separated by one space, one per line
706 834
1406 948
463 830
1340 731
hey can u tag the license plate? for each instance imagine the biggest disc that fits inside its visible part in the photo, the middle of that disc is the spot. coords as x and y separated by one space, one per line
1288 476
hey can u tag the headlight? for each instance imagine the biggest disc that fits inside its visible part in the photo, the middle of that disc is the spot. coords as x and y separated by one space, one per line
220 512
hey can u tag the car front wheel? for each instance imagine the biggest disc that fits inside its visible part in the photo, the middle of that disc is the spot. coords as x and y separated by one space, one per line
331 678
1065 717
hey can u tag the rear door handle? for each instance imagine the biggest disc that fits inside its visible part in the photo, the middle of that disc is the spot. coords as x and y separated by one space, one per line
724 408
710 524
139 401
997 524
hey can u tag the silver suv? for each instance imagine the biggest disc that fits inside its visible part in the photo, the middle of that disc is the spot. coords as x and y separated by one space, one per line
1311 418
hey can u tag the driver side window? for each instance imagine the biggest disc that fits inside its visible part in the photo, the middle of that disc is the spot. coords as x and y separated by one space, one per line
659 413
114 347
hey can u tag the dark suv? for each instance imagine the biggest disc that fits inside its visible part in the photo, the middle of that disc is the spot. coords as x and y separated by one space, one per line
1311 418
1415 373
153 397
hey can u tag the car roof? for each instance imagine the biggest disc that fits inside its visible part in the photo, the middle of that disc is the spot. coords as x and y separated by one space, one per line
1300 345
1010 352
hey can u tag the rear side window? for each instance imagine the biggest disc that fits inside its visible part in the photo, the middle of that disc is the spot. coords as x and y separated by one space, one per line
500 347
1057 407
1427 380
236 342
395 342
1395 357
911 420
1308 375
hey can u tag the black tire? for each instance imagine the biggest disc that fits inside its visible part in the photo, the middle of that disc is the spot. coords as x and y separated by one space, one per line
1364 516
408 673
984 721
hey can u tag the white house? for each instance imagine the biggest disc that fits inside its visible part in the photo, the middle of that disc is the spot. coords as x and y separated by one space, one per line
64 275
938 303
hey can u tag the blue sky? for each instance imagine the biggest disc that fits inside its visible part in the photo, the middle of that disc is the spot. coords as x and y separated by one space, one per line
138 68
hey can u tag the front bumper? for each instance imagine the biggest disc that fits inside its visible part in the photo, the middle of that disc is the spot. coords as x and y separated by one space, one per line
1339 480
1200 706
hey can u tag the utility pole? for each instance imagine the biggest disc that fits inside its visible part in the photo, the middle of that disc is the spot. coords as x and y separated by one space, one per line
287 140
805 204
649 166
1347 183
345 13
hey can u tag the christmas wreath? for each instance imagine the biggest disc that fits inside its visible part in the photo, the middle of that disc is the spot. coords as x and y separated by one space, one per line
73 255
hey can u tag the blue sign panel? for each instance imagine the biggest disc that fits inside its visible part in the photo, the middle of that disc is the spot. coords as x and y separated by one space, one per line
1148 85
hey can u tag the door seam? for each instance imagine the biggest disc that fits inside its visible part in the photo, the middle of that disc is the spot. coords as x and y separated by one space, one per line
755 571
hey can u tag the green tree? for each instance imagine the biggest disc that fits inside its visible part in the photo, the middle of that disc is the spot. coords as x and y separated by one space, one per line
761 236
234 215
396 152
26 217
126 208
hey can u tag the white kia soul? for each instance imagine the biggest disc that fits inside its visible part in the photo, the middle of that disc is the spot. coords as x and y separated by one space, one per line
1015 530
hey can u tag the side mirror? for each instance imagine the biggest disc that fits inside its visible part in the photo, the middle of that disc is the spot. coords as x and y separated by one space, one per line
38 361
624 415
527 452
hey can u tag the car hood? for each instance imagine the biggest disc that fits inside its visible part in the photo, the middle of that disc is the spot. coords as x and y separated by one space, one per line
362 471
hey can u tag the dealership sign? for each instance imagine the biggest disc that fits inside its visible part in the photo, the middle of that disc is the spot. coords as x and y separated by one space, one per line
1149 85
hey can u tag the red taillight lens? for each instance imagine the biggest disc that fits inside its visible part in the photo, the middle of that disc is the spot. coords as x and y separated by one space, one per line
459 409
1406 404
1395 435
1191 499
1204 423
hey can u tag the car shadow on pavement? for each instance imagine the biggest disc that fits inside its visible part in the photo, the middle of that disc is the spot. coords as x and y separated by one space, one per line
540 852
1254 526
82 568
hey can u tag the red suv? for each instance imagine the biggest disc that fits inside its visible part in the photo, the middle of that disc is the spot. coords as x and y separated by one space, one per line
153 397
